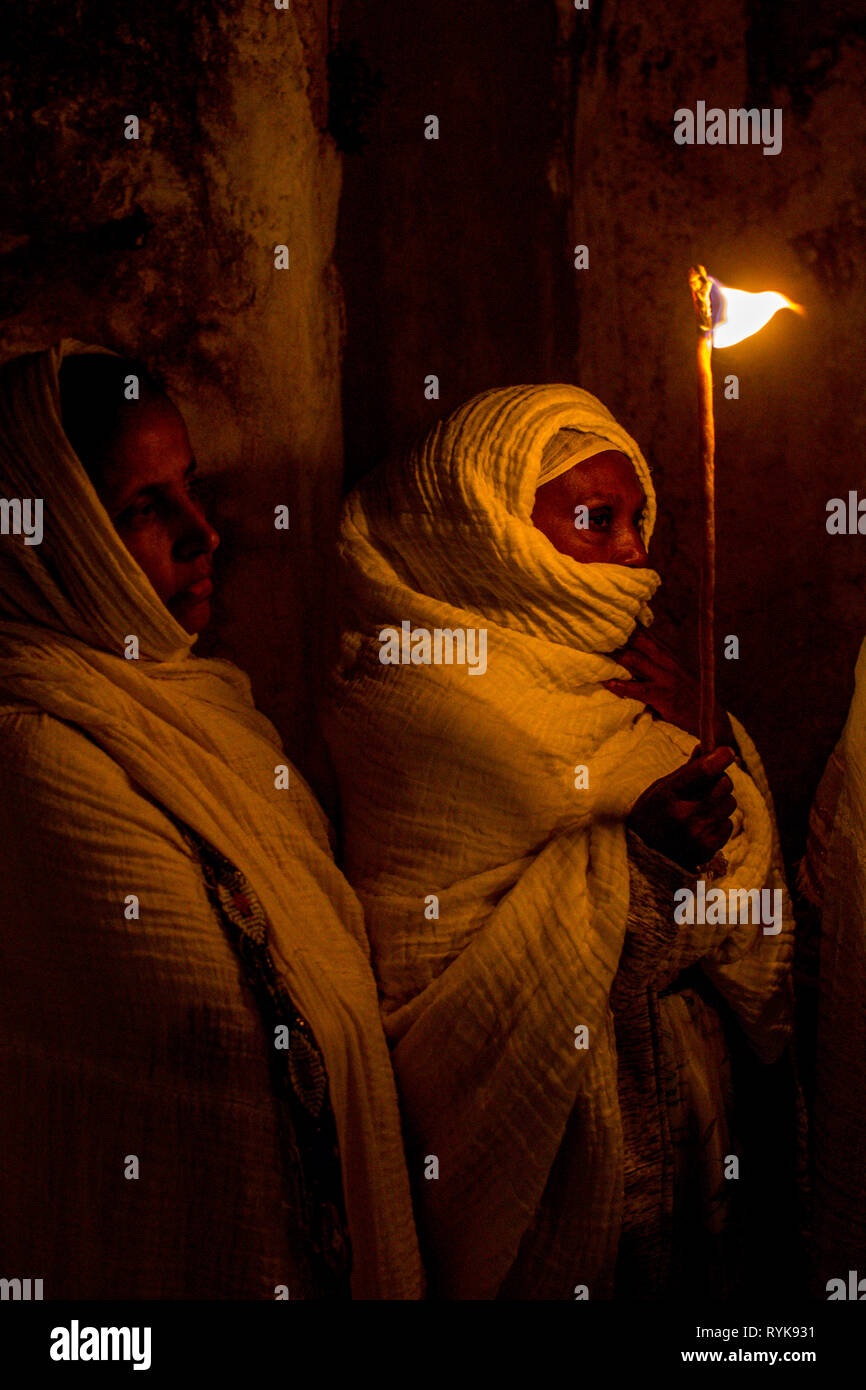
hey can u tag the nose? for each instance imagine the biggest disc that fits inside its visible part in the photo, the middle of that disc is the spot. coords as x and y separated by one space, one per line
195 535
630 549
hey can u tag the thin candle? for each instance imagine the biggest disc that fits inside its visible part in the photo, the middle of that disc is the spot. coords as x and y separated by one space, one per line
735 315
701 285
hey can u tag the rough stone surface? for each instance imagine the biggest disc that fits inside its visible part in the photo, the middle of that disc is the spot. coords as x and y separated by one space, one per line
163 247
457 258
792 222
450 250
556 127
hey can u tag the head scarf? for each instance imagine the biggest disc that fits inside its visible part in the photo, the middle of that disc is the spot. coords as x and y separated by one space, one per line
188 735
471 482
567 448
81 581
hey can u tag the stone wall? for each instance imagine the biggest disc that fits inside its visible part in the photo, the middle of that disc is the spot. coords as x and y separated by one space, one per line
793 222
450 249
456 254
556 128
163 247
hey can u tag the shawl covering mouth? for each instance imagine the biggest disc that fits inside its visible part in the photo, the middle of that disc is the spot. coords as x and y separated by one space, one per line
188 735
495 882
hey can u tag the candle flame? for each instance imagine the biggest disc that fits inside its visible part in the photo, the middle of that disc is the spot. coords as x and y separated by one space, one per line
738 314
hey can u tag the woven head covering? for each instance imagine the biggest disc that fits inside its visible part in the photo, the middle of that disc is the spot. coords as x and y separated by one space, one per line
567 448
81 581
453 520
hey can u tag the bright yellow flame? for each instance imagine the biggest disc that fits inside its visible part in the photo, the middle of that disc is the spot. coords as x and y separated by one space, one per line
743 313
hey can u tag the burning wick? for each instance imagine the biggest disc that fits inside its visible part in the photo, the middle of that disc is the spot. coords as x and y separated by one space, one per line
724 317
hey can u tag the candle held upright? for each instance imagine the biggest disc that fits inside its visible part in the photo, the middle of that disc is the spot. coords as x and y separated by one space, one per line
700 285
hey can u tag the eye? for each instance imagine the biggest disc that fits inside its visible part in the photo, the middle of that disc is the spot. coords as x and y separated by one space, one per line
600 517
139 513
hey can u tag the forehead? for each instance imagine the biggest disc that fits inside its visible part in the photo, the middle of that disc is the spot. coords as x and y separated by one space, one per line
610 474
151 448
152 429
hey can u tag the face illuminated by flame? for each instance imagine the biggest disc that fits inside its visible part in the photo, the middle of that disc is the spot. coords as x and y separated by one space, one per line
607 486
149 489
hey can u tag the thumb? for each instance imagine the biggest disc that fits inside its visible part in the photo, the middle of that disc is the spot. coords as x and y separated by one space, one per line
700 774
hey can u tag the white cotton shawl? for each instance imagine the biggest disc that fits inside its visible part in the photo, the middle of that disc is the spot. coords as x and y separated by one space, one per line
187 734
565 450
495 889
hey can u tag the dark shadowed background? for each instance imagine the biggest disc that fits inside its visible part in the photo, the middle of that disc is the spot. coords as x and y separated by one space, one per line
454 257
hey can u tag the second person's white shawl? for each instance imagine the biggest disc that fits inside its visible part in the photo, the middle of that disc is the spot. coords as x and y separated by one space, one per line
496 892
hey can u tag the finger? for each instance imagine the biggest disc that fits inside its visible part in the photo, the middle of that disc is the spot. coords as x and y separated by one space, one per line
625 689
665 657
652 634
646 692
722 791
715 828
698 822
708 843
640 641
723 833
700 774
642 663
651 645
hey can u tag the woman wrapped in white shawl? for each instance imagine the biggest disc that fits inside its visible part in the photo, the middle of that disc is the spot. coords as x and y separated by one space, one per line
196 1094
525 838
